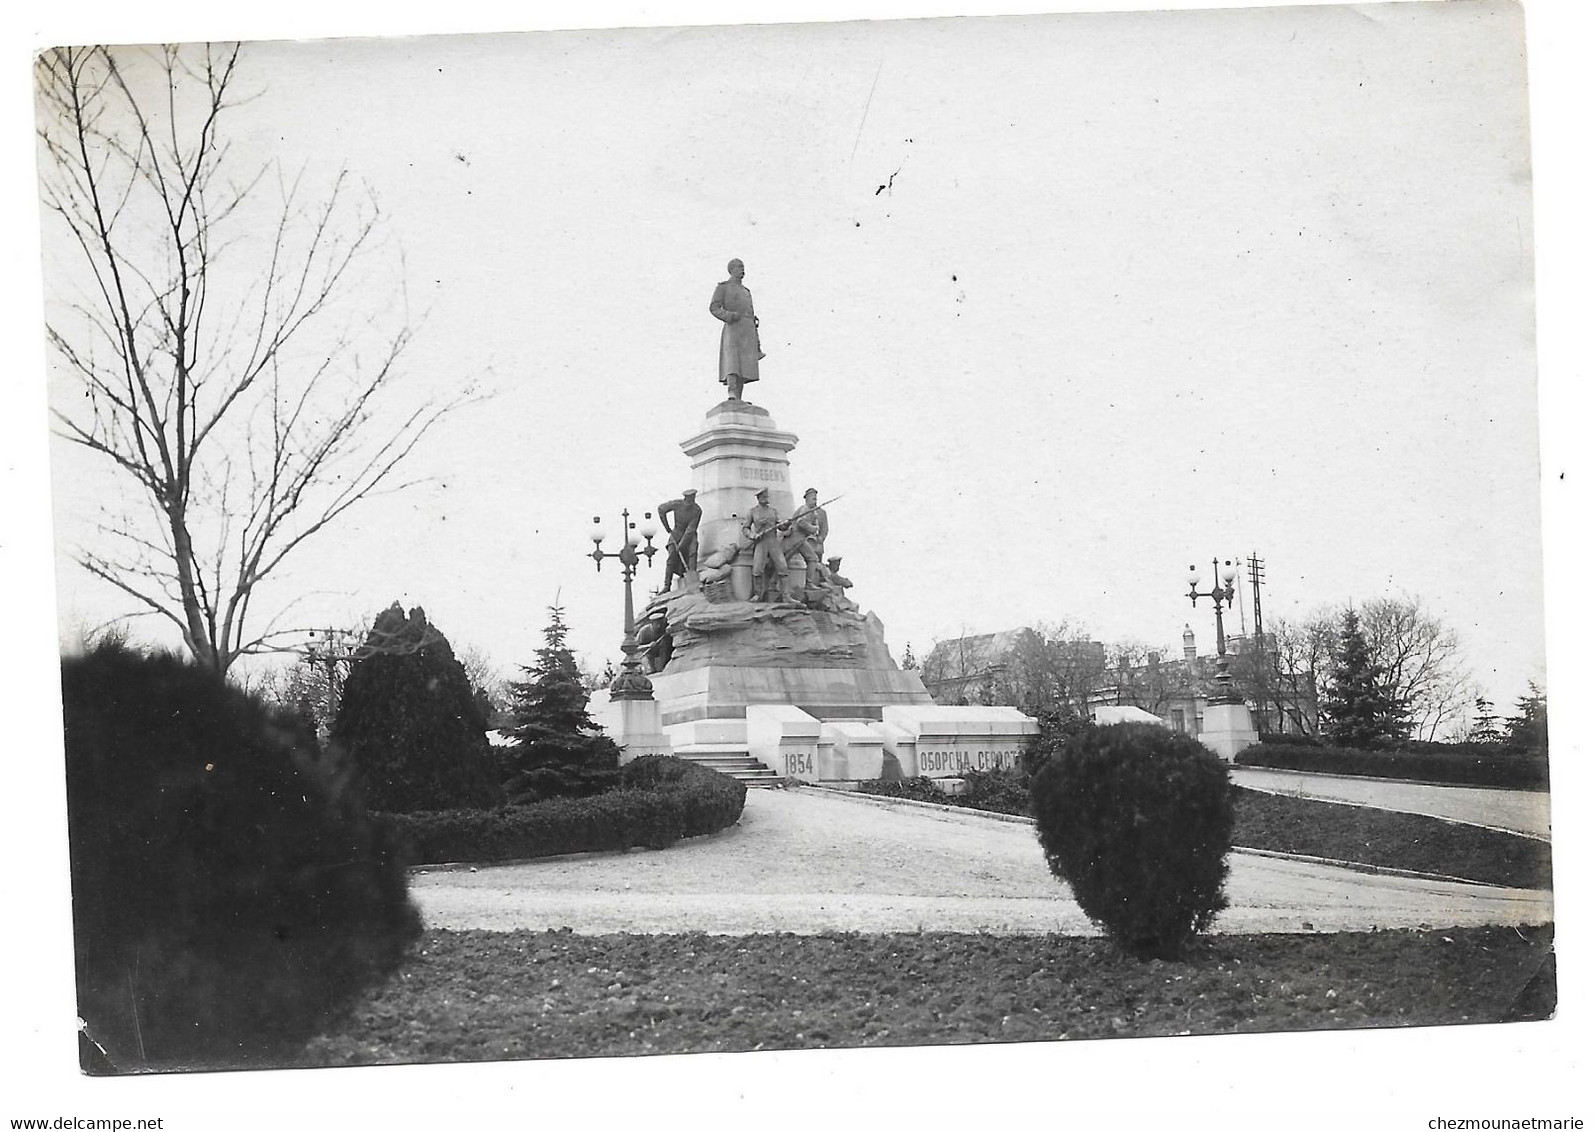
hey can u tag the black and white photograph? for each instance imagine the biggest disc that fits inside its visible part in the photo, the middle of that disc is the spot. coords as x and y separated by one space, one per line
830 566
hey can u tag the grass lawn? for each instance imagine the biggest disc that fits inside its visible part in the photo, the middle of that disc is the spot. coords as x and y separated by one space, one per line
1384 837
1362 835
488 995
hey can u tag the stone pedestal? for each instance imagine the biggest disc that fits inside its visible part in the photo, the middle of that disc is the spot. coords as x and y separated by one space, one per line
738 451
1226 729
634 725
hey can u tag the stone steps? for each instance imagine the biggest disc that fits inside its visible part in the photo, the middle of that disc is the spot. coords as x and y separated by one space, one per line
731 759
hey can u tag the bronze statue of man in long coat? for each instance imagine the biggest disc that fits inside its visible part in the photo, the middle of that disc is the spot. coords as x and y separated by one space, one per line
732 304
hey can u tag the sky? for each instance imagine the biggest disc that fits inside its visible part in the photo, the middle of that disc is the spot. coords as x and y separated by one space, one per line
1056 305
1212 297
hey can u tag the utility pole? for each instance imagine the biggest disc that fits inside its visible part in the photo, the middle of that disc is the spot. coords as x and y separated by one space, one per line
1254 569
330 650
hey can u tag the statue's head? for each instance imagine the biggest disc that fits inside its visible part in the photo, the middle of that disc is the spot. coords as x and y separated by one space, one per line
736 269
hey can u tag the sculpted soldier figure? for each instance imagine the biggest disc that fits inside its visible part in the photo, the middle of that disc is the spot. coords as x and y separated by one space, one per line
802 534
681 547
762 529
820 520
732 304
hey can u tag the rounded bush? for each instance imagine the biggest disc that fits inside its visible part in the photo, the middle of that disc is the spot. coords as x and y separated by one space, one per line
228 893
1137 820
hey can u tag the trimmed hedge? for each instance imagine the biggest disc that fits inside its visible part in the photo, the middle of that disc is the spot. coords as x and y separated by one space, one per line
660 801
229 892
1137 821
1456 767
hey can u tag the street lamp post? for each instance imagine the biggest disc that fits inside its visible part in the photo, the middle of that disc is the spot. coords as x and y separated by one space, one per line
632 683
1222 592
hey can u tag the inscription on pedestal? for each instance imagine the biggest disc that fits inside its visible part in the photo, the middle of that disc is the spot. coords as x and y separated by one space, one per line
799 764
763 475
938 762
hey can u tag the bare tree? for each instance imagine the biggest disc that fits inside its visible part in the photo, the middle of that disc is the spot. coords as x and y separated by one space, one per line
1283 677
1420 659
484 675
211 367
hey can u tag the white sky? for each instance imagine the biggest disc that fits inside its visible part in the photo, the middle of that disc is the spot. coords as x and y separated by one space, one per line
1225 281
1142 290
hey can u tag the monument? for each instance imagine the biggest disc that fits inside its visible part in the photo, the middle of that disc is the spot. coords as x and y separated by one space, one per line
755 645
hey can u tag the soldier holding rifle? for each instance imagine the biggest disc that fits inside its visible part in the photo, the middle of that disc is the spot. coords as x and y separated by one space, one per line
681 548
763 529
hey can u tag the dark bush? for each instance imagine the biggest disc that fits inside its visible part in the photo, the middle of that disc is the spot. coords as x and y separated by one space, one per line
1056 728
228 894
919 789
660 801
999 791
1137 820
1289 739
1463 750
1504 769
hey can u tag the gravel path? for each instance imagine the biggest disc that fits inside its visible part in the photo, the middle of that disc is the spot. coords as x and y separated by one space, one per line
1517 811
807 861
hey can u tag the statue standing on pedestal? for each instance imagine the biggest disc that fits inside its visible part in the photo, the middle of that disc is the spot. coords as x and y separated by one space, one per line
732 304
681 548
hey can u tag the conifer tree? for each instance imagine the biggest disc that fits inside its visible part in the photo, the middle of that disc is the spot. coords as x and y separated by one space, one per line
558 749
1529 728
1485 723
1359 710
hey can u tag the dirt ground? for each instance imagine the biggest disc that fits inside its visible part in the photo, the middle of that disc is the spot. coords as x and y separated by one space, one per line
806 861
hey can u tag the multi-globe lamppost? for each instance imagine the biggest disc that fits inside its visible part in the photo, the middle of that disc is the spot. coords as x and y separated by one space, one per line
1222 591
632 683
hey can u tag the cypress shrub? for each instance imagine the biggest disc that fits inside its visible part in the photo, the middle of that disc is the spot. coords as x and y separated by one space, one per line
228 892
661 800
1137 821
410 721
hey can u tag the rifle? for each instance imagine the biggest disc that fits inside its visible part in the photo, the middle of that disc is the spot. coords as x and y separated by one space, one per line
785 524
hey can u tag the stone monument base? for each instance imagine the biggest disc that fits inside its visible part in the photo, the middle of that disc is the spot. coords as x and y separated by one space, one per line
1226 730
634 725
725 691
903 741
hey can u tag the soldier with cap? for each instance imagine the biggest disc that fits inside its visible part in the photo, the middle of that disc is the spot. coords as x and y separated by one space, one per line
763 529
818 519
802 536
681 548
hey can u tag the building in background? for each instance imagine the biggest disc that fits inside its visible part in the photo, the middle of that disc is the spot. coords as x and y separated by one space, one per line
1075 676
